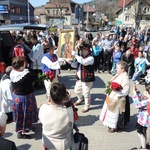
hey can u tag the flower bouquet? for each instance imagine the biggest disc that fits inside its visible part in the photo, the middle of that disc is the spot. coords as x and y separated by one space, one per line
48 75
115 86
111 86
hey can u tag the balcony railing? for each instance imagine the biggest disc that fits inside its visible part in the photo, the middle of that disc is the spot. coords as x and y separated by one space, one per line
55 15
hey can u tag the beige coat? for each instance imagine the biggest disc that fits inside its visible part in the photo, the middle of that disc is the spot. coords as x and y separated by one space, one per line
117 98
116 104
56 126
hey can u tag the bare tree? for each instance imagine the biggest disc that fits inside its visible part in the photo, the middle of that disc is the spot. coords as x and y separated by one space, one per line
135 13
108 7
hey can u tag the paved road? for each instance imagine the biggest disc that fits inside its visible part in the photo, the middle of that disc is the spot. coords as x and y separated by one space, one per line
88 123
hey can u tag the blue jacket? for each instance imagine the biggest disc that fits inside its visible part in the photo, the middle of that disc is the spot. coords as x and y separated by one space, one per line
139 65
117 56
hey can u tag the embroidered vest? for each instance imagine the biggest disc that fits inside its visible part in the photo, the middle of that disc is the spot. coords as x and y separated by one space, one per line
53 58
87 72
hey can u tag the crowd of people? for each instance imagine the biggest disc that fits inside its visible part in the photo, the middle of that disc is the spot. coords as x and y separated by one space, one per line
124 53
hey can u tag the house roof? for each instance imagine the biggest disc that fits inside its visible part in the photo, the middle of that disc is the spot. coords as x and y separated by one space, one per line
121 3
127 2
39 10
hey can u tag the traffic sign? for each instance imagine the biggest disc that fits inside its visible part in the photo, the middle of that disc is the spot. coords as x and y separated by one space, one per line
118 22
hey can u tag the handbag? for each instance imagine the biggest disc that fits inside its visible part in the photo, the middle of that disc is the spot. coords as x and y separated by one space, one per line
80 141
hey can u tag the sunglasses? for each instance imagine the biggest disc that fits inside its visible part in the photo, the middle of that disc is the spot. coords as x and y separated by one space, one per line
51 47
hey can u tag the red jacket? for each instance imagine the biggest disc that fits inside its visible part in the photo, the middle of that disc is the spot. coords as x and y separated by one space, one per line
134 52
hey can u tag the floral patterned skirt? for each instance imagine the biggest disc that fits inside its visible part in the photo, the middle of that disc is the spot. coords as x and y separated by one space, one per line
25 111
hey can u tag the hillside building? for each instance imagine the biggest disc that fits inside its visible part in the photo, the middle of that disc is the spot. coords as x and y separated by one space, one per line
134 13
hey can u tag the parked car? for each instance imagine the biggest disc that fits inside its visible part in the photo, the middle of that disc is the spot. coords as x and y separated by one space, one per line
106 28
101 29
6 40
88 29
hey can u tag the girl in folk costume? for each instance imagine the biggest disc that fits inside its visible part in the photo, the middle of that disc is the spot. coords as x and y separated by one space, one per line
85 75
142 102
50 67
113 111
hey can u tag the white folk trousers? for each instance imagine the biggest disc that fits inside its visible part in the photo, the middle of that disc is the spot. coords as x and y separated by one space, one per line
83 88
48 84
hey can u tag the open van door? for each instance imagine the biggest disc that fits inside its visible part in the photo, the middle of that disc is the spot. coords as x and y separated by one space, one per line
6 40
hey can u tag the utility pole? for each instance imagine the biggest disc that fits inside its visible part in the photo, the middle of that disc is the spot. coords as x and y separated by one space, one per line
124 3
87 20
28 11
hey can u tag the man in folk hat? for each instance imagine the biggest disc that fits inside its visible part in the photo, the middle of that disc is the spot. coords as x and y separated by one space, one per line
50 67
85 76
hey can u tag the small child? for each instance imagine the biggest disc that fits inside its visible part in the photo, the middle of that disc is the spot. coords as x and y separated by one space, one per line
122 49
116 58
143 118
6 94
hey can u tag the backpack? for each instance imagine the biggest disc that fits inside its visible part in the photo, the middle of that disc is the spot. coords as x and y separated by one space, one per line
96 50
81 142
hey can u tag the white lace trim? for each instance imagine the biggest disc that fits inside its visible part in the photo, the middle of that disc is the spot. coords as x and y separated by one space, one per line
15 76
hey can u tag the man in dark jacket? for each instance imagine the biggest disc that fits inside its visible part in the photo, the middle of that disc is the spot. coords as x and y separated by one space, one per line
4 143
129 59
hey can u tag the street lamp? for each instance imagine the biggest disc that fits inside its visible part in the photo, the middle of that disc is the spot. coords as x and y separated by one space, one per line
87 20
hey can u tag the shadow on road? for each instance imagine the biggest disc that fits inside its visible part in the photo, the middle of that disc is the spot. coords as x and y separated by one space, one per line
86 120
98 83
40 91
24 147
38 131
8 134
131 126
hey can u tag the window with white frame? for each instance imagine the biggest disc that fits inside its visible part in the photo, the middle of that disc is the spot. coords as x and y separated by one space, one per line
127 18
146 9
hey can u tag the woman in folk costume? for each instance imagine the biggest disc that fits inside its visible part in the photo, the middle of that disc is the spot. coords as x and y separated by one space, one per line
112 114
50 67
25 110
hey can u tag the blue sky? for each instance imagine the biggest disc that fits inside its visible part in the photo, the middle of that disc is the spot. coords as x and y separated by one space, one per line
43 2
